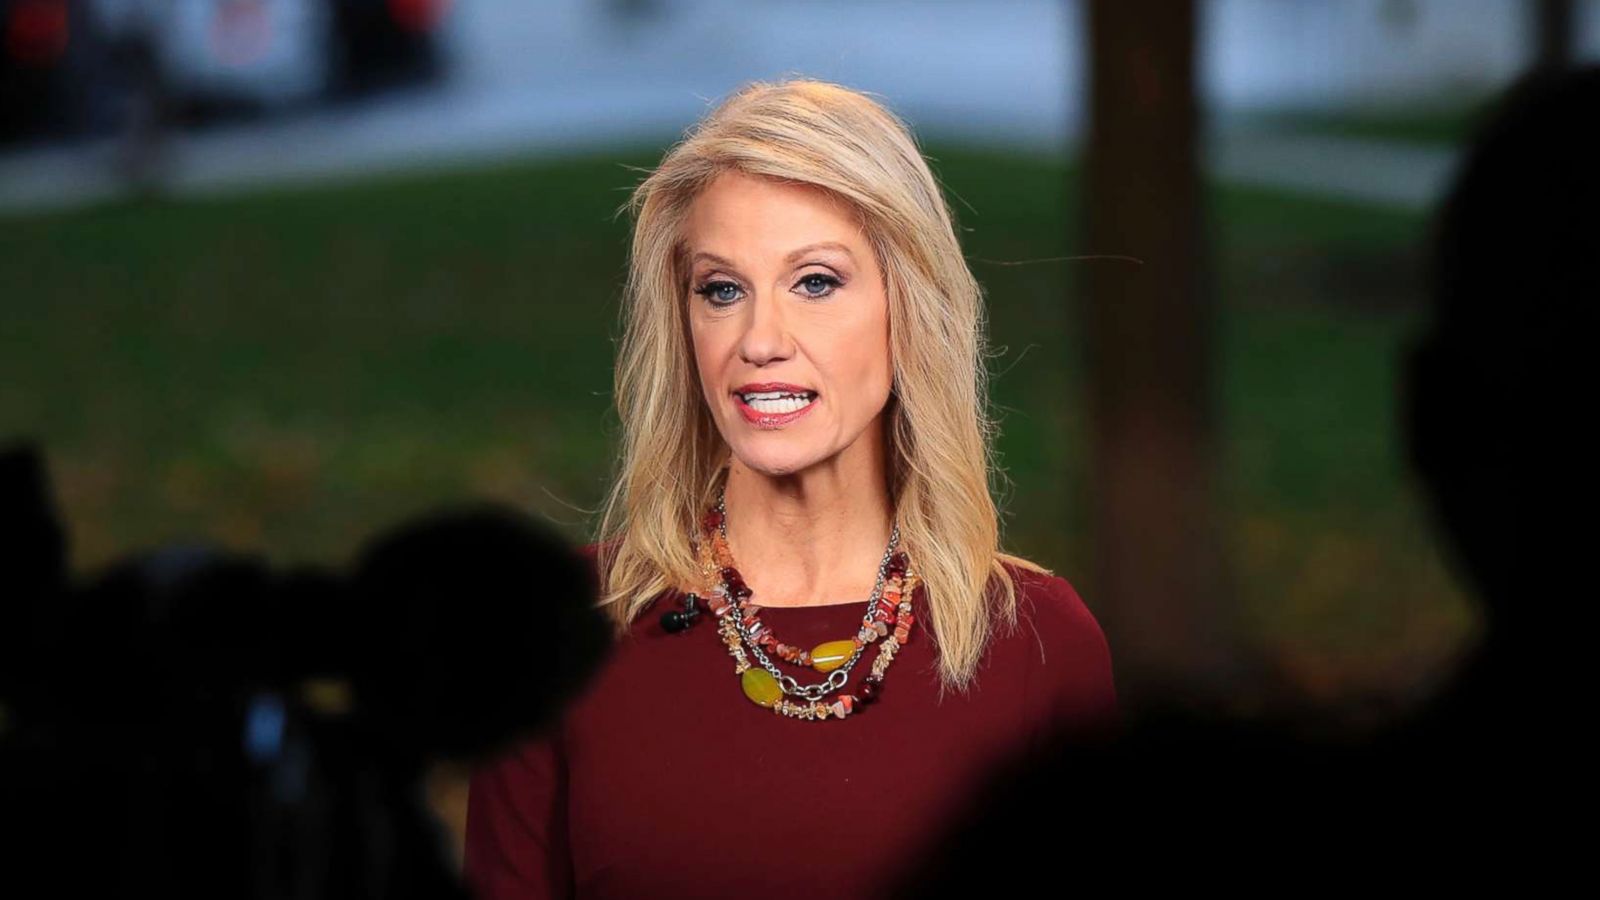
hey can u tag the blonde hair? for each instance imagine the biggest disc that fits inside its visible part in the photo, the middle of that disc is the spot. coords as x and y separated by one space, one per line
939 429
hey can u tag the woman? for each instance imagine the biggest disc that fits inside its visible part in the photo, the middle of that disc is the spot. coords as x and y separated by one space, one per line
803 489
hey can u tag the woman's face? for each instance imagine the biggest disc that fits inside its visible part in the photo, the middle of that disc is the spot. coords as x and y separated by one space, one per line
789 320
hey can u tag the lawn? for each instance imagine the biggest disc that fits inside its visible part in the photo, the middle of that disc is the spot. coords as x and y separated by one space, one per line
290 371
1447 121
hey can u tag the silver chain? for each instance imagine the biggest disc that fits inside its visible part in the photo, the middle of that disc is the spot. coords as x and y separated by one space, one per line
836 678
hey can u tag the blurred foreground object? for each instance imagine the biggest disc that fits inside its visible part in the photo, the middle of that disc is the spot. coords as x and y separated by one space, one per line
196 723
1184 795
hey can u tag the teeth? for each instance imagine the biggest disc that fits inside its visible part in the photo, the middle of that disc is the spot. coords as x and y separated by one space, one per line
776 404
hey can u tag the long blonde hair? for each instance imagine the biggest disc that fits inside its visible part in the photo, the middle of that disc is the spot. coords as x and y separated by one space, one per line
939 429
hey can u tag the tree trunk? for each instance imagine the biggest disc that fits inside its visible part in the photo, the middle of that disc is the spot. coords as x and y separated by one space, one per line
1552 34
1159 575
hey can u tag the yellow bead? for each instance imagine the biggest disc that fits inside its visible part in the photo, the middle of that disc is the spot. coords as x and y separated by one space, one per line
760 686
832 655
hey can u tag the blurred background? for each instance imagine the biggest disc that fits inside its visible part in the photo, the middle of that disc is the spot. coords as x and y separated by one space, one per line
278 273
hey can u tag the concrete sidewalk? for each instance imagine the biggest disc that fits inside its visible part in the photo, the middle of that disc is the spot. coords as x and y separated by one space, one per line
1405 176
1383 173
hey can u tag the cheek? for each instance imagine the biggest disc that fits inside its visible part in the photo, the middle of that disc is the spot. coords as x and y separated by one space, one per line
882 368
703 345
869 362
710 361
703 366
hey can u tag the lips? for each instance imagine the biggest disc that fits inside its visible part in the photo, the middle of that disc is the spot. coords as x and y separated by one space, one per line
765 387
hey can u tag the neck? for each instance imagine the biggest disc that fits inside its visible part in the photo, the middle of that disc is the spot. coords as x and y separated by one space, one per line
814 537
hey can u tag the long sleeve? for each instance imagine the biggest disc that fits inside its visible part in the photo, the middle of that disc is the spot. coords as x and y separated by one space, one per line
517 844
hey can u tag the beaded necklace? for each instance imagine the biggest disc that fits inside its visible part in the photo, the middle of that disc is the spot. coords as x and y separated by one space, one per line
889 607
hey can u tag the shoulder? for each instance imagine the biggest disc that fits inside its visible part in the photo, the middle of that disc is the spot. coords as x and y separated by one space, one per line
596 555
1051 604
599 557
1072 677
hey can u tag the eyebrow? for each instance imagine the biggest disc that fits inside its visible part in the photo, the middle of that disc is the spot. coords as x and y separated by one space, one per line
792 256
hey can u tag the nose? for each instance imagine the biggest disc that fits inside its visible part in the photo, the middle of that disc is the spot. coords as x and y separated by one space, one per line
766 335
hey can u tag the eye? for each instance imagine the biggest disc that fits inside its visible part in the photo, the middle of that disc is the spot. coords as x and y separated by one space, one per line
818 279
712 291
811 286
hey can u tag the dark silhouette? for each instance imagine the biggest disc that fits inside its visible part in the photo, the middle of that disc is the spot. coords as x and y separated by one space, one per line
1183 797
190 722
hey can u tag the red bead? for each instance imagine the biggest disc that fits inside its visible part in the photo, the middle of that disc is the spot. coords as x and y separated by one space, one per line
713 520
868 692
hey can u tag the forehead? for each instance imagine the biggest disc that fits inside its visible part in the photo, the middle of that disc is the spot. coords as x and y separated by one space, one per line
744 215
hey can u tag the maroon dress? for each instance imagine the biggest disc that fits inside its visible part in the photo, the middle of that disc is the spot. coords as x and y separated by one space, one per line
663 780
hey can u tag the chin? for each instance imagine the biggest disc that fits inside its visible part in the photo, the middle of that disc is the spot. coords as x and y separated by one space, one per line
773 464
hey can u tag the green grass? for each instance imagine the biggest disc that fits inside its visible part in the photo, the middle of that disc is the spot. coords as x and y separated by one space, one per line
1446 122
290 371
